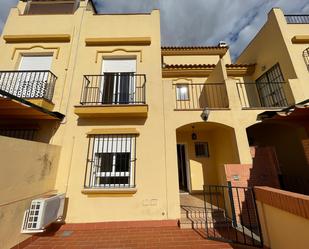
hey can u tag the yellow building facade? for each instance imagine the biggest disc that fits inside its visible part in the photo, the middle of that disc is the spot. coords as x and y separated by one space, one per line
142 122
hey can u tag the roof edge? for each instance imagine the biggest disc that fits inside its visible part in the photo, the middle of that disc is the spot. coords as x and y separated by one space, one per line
57 115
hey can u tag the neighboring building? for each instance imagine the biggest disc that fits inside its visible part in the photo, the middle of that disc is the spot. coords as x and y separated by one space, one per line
139 123
280 53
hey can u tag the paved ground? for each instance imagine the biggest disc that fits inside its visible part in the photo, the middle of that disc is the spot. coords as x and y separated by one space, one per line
133 238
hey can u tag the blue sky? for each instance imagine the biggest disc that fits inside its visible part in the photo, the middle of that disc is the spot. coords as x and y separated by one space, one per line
198 22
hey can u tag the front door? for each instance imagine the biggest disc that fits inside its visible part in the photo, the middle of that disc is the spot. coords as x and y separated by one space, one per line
182 167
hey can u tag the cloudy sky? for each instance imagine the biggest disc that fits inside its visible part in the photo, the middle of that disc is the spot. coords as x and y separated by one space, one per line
199 22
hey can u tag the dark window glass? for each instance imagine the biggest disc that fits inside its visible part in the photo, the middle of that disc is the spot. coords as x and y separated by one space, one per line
116 88
122 162
105 161
201 149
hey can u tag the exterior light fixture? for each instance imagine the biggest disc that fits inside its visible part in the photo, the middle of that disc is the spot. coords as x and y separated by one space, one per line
193 135
205 114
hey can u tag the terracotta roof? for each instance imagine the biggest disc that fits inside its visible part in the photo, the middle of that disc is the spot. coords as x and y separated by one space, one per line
239 65
192 47
191 50
299 111
201 66
240 69
206 69
189 66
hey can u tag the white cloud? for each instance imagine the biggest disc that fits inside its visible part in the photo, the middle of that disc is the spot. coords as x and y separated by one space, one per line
206 22
199 22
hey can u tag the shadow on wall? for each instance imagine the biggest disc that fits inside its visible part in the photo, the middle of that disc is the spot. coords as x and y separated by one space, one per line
29 171
33 130
279 148
111 121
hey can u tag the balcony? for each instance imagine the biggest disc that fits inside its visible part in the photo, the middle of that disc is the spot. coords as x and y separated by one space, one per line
113 95
297 19
264 95
200 96
35 86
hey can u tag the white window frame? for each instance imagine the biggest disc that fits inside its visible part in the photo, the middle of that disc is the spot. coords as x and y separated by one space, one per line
182 96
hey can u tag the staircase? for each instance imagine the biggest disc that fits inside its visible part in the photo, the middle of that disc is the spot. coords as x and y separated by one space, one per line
193 213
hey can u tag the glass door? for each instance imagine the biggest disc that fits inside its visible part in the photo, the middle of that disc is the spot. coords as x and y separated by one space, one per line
118 81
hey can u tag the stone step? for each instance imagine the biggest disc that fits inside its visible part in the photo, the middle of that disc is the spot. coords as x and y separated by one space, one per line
196 218
187 223
200 212
195 214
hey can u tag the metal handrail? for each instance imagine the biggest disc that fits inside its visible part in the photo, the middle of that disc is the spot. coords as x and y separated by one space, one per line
263 95
201 95
114 88
297 19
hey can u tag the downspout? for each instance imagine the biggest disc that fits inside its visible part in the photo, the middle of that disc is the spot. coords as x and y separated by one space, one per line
74 65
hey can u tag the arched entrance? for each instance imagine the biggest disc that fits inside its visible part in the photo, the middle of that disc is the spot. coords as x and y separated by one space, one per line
202 150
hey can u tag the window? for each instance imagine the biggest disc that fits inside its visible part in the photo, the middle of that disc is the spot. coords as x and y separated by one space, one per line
33 84
112 161
118 82
182 92
32 80
306 57
270 88
201 149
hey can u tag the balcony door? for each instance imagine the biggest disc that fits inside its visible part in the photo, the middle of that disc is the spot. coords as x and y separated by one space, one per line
32 80
118 81
270 88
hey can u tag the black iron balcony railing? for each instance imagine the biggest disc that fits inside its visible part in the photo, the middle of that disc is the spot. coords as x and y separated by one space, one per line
114 88
28 84
198 96
263 95
297 19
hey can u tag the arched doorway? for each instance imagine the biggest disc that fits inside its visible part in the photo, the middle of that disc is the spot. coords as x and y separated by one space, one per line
203 148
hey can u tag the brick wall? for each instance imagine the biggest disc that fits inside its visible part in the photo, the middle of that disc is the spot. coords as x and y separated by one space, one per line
263 172
293 203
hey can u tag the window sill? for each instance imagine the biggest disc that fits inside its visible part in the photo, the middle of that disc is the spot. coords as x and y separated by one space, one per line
89 191
112 111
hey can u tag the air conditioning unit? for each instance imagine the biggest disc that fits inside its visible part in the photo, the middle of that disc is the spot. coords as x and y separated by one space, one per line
43 212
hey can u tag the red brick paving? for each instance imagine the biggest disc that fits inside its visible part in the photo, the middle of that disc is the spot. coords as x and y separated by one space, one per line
129 238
